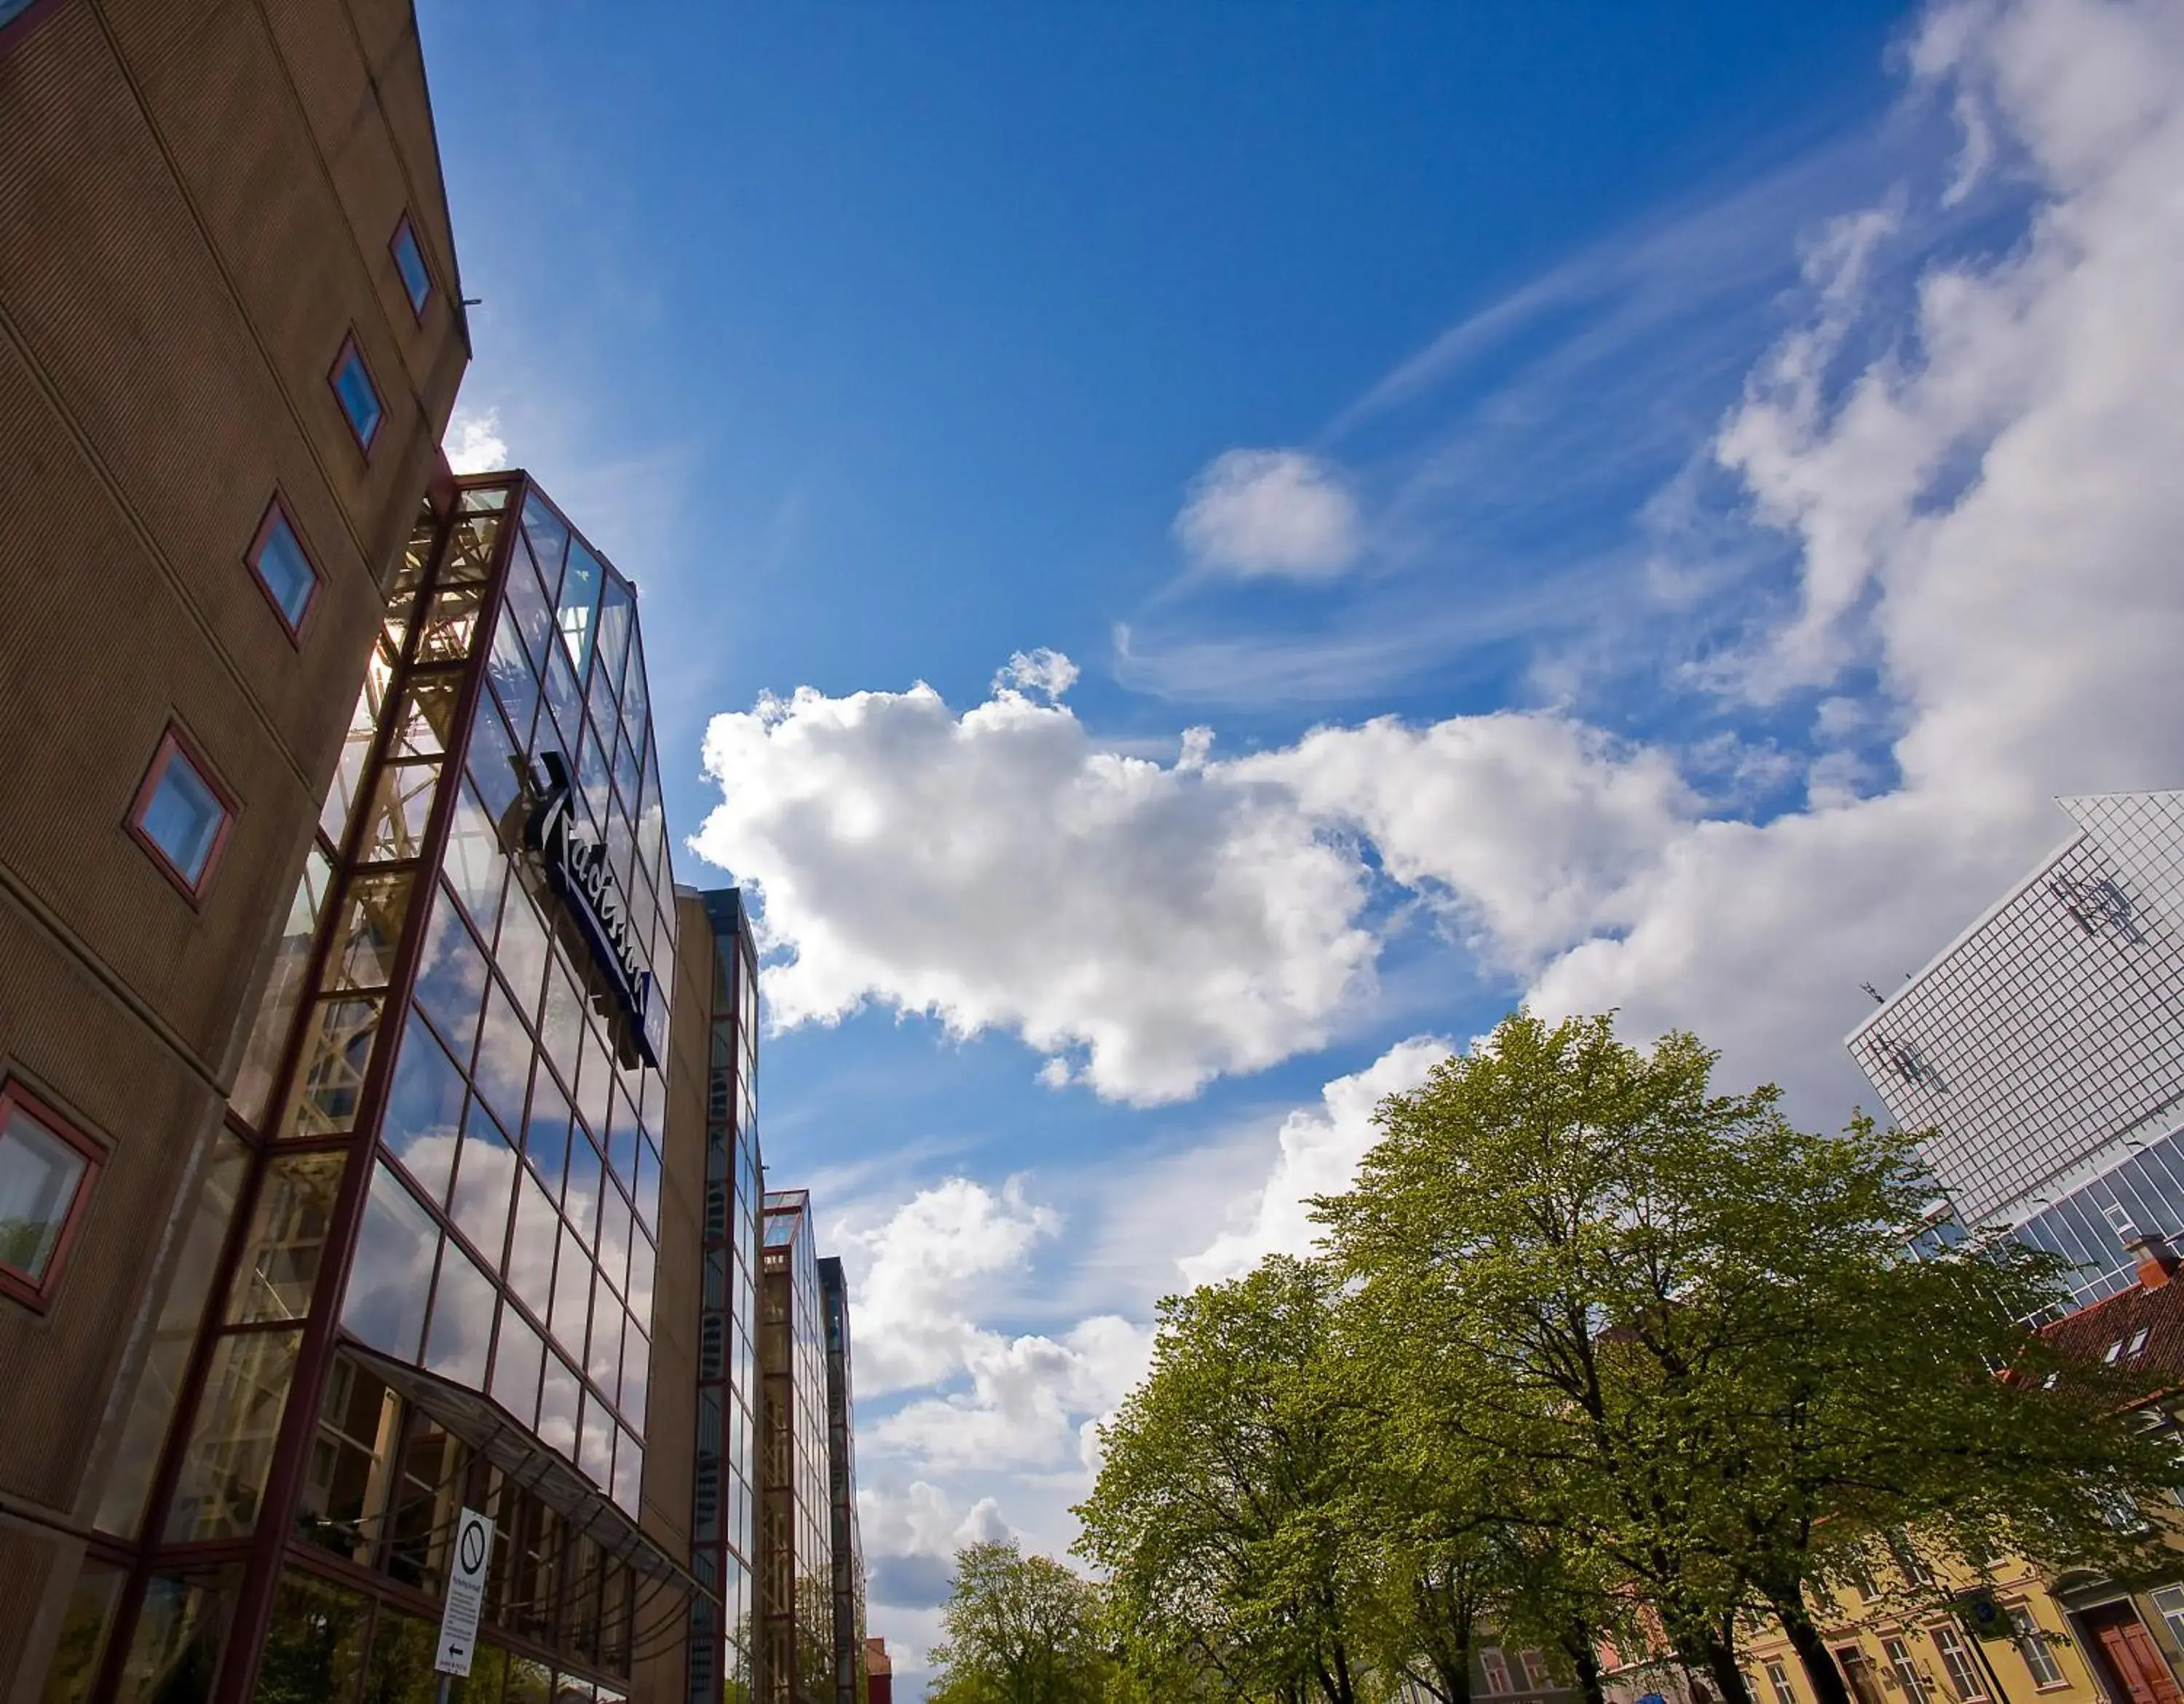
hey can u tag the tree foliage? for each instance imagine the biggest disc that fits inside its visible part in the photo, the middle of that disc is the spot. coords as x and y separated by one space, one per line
1019 1630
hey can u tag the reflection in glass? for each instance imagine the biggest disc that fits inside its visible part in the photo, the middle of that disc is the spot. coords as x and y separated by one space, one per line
488 1674
617 613
424 1110
494 768
401 801
593 1081
470 551
614 1238
522 951
84 1626
174 1652
548 537
641 1258
428 1495
562 1030
330 1073
451 977
426 723
314 1644
648 1183
452 625
223 1470
579 603
525 608
572 1294
557 1408
401 1671
581 1200
546 1140
356 744
350 1466
372 913
635 1375
636 707
621 1135
475 864
514 682
628 1474
595 1449
602 1358
515 1365
39 1176
284 991
528 1682
485 1181
592 776
503 1056
392 1274
159 1382
280 1263
530 1249
461 1331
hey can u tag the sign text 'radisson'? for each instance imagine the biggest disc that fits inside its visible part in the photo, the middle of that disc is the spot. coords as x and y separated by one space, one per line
576 867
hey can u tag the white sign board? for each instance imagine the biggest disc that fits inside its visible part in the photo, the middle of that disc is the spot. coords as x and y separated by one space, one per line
458 1619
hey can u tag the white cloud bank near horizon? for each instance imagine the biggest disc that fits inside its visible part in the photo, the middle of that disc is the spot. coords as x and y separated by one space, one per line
1980 493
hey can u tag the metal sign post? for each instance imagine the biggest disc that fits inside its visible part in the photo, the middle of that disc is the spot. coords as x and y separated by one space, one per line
466 1597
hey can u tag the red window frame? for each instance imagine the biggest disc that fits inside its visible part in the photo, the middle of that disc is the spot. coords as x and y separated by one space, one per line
350 346
394 248
38 1293
278 510
175 740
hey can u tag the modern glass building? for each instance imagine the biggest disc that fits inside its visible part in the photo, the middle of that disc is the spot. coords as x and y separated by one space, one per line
442 1163
848 1551
2043 1049
719 1004
795 1539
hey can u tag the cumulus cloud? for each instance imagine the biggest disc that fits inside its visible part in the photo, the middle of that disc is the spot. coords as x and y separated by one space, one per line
1046 673
474 444
999 869
910 1538
1275 512
1317 1149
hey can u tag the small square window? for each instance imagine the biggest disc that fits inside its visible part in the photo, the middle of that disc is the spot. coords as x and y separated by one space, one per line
409 262
357 396
46 1169
181 815
283 567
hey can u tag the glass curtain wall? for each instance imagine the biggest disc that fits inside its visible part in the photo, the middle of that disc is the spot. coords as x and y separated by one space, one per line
724 1508
441 1097
795 1554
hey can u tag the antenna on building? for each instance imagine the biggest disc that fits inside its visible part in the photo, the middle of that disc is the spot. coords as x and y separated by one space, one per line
1879 998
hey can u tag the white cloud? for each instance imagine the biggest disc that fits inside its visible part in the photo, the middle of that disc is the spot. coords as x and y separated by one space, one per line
474 444
1318 1148
999 869
1278 512
917 1273
1047 672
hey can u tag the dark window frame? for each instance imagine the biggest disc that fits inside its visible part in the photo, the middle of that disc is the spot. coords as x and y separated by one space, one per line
279 509
38 1294
350 347
20 25
173 741
407 226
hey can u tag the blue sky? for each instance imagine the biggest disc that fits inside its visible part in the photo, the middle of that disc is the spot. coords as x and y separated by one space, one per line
1636 502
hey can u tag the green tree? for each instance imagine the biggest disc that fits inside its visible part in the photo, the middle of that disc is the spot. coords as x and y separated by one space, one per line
1691 1331
1020 1630
1221 1514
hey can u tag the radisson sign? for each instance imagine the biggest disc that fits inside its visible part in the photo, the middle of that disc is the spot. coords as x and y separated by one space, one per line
576 867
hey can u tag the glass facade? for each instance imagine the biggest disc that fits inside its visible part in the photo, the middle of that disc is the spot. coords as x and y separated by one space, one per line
438 1191
795 1657
724 1499
848 1548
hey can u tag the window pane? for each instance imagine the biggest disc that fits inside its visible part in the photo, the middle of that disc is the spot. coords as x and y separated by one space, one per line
549 541
516 1366
513 681
557 1408
284 989
475 864
314 1644
330 1073
181 1630
88 1619
485 1182
595 1453
356 744
424 1110
530 1249
579 603
359 401
287 1232
39 1174
286 570
603 1354
401 1667
572 1294
159 1382
503 1056
345 1489
223 1472
392 1274
528 608
409 262
462 1320
616 613
522 951
641 1262
451 977
546 1138
428 714
581 1200
373 911
183 816
400 804
635 1375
